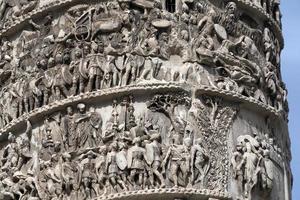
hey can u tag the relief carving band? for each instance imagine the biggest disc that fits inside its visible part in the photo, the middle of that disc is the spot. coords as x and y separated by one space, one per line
125 99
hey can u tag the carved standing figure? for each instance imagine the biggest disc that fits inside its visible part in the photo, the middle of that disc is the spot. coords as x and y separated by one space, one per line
81 127
199 162
176 161
112 168
136 162
153 158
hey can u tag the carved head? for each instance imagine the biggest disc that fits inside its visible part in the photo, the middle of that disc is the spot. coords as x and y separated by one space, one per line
70 110
188 142
81 107
231 8
59 58
11 137
177 139
113 146
103 150
66 58
184 35
43 63
78 52
157 4
136 141
86 49
51 62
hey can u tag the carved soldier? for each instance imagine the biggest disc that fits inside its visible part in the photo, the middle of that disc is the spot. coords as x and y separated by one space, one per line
268 44
95 128
271 81
176 160
229 19
15 91
113 168
81 127
78 71
68 126
199 162
89 177
60 90
48 180
101 171
49 145
111 73
249 162
95 73
139 130
153 158
237 167
25 153
136 162
122 162
70 172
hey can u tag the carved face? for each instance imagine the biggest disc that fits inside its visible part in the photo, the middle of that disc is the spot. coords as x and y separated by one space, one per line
43 63
78 53
184 35
70 110
86 49
82 109
231 8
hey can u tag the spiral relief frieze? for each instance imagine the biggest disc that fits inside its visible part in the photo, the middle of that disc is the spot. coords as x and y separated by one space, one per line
130 99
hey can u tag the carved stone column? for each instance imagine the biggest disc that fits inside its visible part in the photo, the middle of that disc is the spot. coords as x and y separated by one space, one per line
130 99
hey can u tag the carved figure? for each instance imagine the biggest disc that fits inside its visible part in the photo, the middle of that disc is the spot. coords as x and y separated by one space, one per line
136 162
176 161
199 162
153 158
113 169
83 137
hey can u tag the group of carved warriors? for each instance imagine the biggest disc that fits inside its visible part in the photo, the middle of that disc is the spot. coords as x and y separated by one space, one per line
133 45
253 167
10 10
17 8
78 160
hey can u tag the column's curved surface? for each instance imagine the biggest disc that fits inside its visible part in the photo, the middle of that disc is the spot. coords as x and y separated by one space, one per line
130 99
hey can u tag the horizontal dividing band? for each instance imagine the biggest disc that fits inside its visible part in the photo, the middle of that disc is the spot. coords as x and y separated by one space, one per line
169 193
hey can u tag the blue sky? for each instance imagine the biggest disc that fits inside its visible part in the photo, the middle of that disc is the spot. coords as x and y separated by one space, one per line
291 74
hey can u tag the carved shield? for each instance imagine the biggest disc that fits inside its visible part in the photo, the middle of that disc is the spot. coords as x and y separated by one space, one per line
149 154
221 32
140 60
121 160
161 23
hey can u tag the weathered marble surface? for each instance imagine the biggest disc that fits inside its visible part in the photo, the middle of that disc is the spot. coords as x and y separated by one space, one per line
100 99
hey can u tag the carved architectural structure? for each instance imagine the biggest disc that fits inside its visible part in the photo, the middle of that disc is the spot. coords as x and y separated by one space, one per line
126 99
